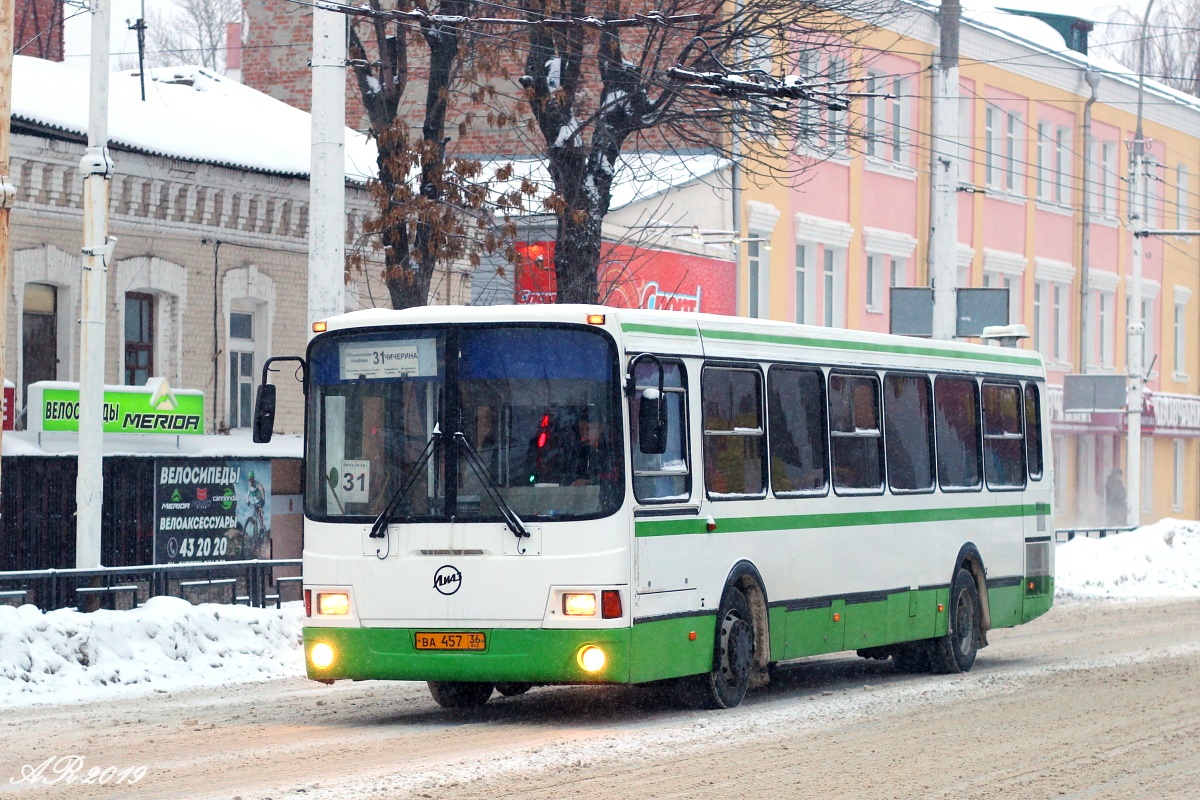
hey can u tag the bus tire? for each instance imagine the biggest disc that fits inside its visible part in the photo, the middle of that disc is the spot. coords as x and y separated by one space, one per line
733 653
913 657
513 689
956 651
460 694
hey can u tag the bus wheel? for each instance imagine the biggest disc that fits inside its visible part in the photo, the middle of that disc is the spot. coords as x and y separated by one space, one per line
513 689
733 654
955 652
460 694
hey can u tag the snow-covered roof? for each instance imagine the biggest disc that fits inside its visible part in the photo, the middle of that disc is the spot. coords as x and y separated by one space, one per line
639 176
189 113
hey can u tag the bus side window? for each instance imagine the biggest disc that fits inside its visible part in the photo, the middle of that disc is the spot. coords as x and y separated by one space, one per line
855 434
666 477
796 430
734 440
1003 439
959 454
908 439
1033 430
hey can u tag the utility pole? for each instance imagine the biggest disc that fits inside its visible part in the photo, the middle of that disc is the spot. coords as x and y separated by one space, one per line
8 192
943 234
1092 78
327 175
1137 326
139 25
96 166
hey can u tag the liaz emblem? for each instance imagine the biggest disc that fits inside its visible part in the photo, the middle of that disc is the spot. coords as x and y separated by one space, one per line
447 579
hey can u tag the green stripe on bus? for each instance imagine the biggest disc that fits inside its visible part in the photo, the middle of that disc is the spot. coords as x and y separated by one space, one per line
679 527
665 330
843 344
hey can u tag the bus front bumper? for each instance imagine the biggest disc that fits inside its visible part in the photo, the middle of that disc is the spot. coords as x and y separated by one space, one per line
517 655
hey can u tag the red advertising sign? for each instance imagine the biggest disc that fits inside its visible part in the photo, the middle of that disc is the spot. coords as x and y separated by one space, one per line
10 404
636 277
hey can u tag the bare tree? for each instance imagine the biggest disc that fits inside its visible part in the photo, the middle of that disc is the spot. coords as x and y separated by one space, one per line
434 207
1172 42
192 32
617 75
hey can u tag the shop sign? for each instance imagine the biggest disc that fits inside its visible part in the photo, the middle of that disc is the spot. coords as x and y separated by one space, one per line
153 408
211 509
10 404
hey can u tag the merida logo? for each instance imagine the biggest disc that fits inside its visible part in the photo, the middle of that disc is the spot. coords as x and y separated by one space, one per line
161 422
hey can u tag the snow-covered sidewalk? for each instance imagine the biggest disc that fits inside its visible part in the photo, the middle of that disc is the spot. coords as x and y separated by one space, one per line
1155 561
167 644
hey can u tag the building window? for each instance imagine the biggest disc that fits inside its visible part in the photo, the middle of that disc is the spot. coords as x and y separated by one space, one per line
998 280
1108 178
241 369
1181 339
833 287
758 269
1053 163
835 121
139 338
875 283
1151 199
1051 334
1108 327
801 283
966 145
1182 210
39 334
899 272
1003 154
886 117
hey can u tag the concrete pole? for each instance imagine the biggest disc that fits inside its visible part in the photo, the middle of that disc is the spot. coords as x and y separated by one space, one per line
943 216
96 167
1137 326
327 184
1092 78
8 192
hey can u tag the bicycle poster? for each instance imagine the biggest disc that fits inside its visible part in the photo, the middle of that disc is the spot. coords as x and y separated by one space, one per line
212 509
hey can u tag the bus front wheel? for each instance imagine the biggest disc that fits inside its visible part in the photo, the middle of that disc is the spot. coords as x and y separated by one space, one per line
956 651
733 653
460 694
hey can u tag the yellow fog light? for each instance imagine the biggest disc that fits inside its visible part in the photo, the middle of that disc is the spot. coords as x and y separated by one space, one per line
321 655
579 605
592 658
333 603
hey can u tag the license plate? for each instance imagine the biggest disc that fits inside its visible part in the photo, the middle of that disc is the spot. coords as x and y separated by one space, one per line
451 641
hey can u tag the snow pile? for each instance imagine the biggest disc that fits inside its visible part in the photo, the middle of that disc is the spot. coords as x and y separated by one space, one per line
166 644
1159 560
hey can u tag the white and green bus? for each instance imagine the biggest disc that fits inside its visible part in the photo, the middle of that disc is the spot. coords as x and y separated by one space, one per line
509 496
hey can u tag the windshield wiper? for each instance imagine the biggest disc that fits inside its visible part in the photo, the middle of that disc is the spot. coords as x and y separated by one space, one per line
379 528
491 486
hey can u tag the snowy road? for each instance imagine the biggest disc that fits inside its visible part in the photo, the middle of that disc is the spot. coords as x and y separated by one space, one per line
1095 700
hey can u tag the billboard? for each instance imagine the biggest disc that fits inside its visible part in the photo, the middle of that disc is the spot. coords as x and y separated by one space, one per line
636 277
153 408
211 509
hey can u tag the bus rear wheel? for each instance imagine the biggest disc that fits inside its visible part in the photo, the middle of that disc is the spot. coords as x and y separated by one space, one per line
733 653
460 694
956 651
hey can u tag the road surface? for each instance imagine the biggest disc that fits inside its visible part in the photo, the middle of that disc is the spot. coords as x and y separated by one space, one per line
1094 700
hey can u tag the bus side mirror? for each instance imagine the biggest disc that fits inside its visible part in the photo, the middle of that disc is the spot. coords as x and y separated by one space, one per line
264 413
652 423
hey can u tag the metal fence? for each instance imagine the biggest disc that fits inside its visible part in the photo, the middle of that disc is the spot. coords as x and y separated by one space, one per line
254 583
1067 534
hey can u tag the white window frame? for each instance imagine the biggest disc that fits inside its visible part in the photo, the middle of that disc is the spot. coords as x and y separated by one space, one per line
242 346
1182 296
802 299
1062 165
245 289
1002 269
874 283
819 235
1055 278
49 265
1183 215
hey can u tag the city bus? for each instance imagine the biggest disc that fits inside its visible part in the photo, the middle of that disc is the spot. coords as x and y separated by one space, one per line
504 497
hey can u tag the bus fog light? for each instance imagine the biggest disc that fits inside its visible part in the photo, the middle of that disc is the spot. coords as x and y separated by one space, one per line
579 605
592 658
333 604
321 655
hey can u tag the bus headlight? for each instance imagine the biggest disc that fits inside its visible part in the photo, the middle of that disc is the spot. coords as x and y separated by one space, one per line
333 604
592 658
321 655
579 604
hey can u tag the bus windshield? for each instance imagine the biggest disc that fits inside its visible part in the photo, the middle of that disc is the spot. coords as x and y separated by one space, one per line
539 404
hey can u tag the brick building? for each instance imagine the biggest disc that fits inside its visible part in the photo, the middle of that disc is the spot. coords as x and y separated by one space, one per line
38 30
